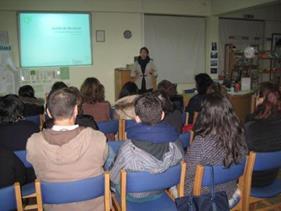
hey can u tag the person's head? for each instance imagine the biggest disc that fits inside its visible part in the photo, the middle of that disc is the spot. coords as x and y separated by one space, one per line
271 104
89 89
129 88
26 91
100 93
148 108
216 88
144 52
168 88
58 85
62 106
167 104
264 88
203 81
11 109
218 120
77 93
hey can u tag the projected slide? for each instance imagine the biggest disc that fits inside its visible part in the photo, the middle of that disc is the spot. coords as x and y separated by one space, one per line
55 39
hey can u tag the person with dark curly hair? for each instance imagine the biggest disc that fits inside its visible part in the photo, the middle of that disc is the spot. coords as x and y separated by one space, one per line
219 140
14 130
32 105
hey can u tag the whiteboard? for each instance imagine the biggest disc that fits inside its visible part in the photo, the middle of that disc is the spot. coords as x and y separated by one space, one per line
177 46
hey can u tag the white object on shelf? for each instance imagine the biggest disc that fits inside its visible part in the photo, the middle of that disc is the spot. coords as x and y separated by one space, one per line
245 84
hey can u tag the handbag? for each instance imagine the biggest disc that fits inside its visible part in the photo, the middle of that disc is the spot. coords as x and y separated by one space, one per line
214 201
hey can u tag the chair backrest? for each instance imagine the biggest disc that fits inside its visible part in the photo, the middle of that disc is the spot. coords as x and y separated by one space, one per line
133 182
21 154
203 175
129 123
10 198
115 145
110 126
74 191
185 139
35 119
267 160
241 171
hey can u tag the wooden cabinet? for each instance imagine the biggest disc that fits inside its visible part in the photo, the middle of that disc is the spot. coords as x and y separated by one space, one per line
122 75
242 104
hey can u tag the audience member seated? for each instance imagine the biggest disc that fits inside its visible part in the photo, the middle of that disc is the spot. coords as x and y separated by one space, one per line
153 146
217 88
172 115
203 81
263 132
11 169
94 104
124 106
219 140
83 120
14 131
67 152
170 90
32 105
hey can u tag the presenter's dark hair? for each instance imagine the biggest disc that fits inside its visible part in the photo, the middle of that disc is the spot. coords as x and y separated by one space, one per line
203 81
26 91
149 108
129 88
11 109
61 103
218 119
89 90
144 49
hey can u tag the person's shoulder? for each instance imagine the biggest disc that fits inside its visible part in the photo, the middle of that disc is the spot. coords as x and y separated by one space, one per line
35 139
95 135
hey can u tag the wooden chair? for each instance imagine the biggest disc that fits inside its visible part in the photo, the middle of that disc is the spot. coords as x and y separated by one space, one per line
74 191
224 175
123 126
134 182
10 198
265 161
27 190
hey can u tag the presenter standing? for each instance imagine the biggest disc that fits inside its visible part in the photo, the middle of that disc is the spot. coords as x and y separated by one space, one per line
143 71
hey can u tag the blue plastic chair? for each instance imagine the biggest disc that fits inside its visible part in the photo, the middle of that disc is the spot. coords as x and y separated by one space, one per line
21 154
35 119
109 127
129 123
10 198
74 191
134 182
185 139
115 145
266 161
203 178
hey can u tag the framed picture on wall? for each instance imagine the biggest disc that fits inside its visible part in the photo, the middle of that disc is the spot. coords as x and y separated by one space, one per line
276 41
100 35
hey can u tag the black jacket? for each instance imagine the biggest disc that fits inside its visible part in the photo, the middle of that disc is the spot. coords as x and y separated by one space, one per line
11 169
264 135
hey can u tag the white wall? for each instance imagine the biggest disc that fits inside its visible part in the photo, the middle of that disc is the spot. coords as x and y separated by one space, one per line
113 16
